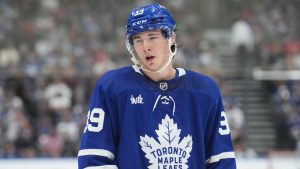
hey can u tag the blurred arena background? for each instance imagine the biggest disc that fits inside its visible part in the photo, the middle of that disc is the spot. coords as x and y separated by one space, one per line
53 51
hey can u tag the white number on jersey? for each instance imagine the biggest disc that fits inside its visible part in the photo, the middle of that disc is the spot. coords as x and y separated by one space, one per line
224 129
96 118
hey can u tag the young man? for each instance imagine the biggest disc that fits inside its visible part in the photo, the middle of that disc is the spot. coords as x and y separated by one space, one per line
152 115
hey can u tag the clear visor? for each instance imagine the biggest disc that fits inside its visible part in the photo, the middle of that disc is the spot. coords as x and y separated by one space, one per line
140 44
148 42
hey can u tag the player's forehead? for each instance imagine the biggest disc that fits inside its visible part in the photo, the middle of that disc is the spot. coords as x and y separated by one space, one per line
148 33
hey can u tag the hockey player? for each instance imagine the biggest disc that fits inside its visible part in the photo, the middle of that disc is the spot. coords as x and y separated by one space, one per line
152 115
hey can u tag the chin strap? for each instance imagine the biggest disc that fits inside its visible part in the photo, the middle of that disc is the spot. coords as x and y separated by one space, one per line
172 52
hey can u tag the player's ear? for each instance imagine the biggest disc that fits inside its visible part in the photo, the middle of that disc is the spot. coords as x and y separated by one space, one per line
173 37
173 43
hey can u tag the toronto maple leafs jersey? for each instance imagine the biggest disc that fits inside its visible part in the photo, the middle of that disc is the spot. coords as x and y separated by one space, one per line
136 123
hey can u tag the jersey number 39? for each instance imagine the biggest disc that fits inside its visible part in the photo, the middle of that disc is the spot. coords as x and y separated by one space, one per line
95 120
224 129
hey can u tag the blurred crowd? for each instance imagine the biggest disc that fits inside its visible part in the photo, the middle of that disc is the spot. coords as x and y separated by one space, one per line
276 32
281 51
286 102
51 54
275 27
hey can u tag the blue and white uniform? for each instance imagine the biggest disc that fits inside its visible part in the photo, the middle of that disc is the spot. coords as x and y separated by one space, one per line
136 123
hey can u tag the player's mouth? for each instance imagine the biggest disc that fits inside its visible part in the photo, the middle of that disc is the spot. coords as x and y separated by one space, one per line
149 58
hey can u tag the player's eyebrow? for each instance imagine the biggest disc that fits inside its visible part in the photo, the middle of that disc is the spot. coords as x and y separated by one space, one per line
135 37
151 33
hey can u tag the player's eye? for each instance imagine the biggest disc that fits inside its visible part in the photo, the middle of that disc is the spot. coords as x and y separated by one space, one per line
153 37
137 41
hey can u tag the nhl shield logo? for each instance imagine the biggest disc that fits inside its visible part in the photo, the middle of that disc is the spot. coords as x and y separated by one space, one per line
171 151
163 85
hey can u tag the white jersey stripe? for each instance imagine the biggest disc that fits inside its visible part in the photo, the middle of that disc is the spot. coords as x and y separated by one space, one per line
221 156
137 69
103 167
181 72
97 152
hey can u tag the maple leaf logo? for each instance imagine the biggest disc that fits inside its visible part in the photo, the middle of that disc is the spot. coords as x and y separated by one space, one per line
169 152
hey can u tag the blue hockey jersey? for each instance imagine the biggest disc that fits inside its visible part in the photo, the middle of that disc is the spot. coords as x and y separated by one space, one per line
136 123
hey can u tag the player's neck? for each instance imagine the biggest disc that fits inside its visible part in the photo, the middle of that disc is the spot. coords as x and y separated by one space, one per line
167 74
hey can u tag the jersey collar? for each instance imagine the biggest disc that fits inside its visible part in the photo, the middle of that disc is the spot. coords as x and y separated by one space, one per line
179 71
164 85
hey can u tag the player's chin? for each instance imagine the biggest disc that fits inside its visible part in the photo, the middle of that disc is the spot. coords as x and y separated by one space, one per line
151 68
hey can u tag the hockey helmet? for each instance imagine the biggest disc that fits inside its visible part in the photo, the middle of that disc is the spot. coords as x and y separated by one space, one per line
150 17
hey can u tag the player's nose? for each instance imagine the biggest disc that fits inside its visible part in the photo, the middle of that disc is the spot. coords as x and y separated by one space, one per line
146 46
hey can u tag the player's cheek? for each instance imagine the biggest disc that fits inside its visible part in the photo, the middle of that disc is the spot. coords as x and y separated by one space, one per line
137 54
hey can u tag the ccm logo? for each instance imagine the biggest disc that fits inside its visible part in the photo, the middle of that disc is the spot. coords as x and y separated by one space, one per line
139 22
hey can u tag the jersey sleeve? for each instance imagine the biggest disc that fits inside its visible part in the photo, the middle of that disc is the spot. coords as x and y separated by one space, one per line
97 148
219 149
